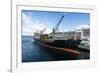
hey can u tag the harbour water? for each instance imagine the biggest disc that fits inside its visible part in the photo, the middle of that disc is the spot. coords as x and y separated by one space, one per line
32 52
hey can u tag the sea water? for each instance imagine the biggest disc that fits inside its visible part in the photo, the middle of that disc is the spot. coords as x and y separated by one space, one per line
32 52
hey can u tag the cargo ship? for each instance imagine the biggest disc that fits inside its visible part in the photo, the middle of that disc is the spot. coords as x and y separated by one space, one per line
59 43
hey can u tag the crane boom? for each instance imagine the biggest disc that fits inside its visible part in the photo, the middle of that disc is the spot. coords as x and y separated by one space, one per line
56 28
43 30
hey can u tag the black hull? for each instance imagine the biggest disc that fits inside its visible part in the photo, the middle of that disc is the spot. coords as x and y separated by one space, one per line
72 44
61 46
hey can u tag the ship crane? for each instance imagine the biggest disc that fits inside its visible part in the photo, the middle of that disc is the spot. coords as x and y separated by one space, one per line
56 27
43 30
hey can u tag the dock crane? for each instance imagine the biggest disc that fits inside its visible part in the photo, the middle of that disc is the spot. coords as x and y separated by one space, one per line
56 27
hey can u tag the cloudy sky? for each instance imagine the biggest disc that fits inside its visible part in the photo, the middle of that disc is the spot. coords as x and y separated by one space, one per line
35 21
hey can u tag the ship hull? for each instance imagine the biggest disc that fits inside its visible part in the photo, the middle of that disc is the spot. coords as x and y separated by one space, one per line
62 47
73 44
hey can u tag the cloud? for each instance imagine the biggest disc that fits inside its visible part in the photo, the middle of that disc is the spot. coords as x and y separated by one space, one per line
29 25
83 27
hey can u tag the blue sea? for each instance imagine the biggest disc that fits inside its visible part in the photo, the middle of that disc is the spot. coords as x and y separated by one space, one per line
32 52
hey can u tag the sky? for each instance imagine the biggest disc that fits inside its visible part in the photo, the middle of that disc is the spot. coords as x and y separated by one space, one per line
36 21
